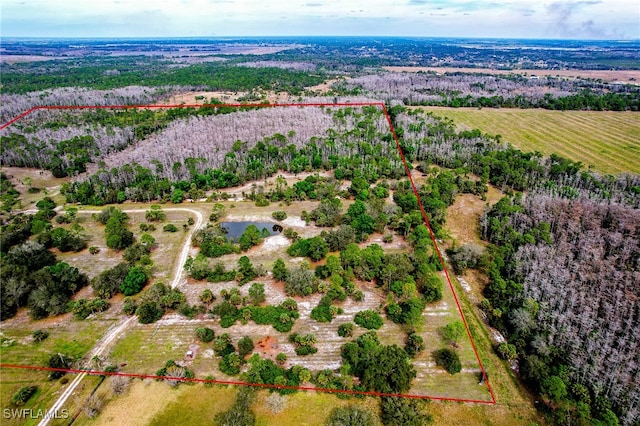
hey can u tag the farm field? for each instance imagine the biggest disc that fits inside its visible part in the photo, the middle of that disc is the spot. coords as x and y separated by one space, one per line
605 141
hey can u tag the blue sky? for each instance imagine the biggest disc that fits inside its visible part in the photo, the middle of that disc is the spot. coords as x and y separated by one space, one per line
591 19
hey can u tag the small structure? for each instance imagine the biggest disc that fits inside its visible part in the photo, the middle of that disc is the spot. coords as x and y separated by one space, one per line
188 356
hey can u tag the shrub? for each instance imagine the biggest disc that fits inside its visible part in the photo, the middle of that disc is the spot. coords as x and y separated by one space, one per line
351 415
368 319
306 350
170 227
209 381
396 411
130 306
415 344
149 312
346 330
39 335
448 359
279 215
245 346
281 358
256 293
205 334
23 395
452 332
304 344
230 364
58 360
82 308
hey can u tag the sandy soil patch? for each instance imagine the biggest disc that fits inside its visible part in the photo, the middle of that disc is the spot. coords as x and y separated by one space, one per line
606 75
275 242
294 221
267 347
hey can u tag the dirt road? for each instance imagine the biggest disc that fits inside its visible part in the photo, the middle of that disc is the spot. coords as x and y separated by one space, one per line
119 328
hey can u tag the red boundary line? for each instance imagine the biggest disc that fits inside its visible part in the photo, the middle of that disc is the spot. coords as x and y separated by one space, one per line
225 382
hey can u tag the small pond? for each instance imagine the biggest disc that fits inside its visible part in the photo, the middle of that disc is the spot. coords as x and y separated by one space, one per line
235 229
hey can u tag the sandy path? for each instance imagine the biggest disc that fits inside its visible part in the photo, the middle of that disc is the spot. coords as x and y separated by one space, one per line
115 332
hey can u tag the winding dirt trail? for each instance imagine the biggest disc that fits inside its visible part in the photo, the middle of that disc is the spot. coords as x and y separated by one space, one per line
121 326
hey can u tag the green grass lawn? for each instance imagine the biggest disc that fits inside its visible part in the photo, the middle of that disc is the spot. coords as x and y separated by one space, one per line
607 141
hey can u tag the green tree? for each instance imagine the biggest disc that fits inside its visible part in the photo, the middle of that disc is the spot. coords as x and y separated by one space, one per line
177 196
415 344
300 282
149 312
108 282
205 334
245 346
318 248
395 411
245 270
40 335
250 237
155 214
217 212
380 368
391 372
280 271
448 359
256 293
453 332
117 235
170 227
207 296
279 215
368 319
61 361
554 388
134 281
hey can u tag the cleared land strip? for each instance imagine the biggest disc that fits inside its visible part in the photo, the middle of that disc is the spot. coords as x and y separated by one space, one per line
607 140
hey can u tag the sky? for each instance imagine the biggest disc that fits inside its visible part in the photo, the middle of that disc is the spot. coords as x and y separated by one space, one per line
575 19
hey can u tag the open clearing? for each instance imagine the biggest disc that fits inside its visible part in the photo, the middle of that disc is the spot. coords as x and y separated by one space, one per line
606 75
607 141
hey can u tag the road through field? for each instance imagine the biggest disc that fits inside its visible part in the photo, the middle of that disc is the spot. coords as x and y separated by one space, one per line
116 331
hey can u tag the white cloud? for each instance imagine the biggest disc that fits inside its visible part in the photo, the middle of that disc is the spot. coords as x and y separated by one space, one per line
526 18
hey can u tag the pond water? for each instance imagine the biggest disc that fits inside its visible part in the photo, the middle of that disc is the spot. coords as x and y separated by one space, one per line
235 229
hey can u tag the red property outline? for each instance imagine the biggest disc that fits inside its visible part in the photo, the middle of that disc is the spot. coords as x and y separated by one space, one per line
383 107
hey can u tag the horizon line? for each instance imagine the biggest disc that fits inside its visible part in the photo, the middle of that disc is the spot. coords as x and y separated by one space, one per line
291 36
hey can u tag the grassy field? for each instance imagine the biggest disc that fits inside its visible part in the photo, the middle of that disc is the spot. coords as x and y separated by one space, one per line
606 141
67 336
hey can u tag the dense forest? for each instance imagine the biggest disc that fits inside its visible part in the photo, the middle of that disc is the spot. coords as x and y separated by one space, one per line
564 289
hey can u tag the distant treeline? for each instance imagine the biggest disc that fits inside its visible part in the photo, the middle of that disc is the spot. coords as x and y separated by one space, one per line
586 100
122 73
